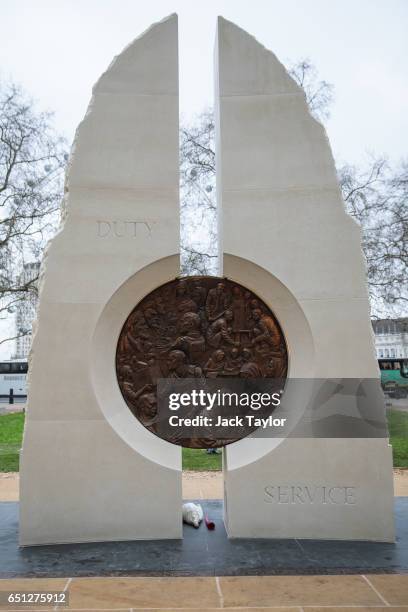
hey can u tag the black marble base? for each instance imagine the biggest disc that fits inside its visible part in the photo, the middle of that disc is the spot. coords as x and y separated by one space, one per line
201 553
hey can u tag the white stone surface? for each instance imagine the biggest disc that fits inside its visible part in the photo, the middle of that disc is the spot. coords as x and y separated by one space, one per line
287 237
89 470
314 489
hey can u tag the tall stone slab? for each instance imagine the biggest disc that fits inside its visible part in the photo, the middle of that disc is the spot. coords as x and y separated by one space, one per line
89 470
287 237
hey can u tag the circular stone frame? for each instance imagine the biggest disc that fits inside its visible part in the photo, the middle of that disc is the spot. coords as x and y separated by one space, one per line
114 410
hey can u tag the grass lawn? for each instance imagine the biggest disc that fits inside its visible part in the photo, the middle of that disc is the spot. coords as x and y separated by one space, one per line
11 433
398 429
197 459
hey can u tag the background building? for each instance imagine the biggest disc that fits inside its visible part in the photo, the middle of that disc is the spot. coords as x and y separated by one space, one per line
25 312
391 337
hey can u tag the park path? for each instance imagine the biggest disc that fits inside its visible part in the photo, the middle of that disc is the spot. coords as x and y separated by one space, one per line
196 485
329 593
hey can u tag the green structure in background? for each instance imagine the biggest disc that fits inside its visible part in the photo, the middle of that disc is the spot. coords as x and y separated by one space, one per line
394 377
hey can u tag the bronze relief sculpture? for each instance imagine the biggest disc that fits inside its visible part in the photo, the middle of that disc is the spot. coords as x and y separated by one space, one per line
196 327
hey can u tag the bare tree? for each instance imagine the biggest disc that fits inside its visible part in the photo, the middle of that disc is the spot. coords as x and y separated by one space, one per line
197 195
197 174
376 196
32 159
319 93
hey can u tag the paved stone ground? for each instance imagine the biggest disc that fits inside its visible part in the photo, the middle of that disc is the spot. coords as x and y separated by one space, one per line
201 552
401 482
235 593
202 485
398 404
6 408
368 592
9 483
196 485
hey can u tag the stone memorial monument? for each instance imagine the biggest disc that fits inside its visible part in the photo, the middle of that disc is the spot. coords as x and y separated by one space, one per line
302 255
89 470
291 302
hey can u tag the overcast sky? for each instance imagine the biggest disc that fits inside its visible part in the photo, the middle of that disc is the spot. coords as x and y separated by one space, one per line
57 49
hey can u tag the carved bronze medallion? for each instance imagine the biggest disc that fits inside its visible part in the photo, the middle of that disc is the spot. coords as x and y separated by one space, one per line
196 327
